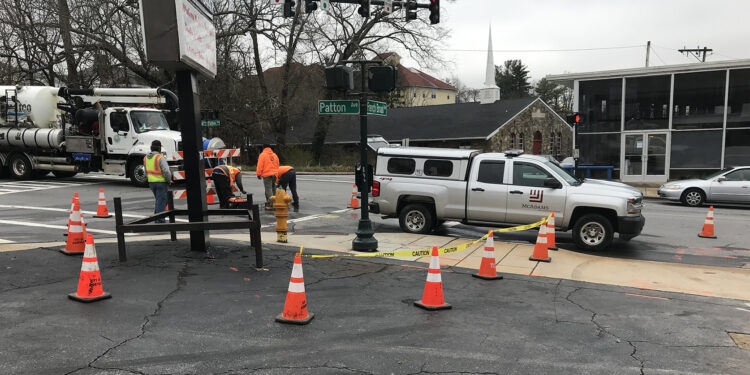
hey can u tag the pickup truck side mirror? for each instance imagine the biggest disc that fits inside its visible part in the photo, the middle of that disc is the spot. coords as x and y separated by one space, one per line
552 182
721 179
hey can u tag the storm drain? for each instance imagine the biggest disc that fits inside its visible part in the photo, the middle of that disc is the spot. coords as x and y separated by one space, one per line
742 340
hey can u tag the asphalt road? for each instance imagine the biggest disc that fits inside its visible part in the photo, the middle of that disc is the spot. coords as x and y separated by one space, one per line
34 211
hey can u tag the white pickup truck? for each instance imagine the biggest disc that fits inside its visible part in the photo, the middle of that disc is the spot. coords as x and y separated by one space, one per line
424 187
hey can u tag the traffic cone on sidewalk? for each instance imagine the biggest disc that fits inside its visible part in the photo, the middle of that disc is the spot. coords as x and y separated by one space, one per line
90 282
487 269
432 297
295 307
540 249
708 225
354 202
76 241
551 245
101 208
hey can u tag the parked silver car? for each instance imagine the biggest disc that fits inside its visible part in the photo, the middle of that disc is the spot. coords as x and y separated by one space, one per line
730 185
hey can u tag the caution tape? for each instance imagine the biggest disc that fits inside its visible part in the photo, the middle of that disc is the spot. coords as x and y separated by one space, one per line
428 252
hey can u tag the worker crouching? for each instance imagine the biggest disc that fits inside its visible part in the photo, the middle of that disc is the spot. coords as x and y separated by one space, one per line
224 177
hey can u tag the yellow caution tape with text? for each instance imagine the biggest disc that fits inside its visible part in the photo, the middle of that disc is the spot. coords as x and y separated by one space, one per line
428 252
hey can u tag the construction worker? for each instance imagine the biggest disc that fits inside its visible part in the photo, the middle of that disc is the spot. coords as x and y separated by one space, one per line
286 176
268 165
159 177
224 176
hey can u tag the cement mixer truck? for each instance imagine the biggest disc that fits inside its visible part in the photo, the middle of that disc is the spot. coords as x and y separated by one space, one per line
69 131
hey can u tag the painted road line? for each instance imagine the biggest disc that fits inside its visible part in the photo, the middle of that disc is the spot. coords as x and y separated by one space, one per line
61 227
645 296
6 241
90 213
741 309
316 180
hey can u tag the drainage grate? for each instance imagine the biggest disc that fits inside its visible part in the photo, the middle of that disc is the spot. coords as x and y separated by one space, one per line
742 340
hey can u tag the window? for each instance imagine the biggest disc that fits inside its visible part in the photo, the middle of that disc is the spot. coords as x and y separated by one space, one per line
739 175
738 112
491 172
145 121
414 93
529 175
599 102
512 140
647 103
520 141
552 143
424 94
438 168
559 143
599 149
697 149
699 100
401 166
434 94
449 97
737 147
118 121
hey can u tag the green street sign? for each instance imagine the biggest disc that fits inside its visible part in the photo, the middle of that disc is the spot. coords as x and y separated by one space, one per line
376 108
338 107
210 123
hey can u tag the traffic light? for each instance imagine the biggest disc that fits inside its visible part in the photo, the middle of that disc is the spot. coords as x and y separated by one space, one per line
434 11
381 78
411 10
289 8
340 78
575 118
364 8
310 6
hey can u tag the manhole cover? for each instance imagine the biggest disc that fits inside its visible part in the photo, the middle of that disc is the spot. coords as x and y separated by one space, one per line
741 339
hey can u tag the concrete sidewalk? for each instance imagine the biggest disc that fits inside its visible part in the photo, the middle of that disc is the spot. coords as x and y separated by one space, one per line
174 311
513 258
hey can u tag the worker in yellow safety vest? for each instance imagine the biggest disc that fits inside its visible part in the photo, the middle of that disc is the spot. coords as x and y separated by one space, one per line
224 176
159 177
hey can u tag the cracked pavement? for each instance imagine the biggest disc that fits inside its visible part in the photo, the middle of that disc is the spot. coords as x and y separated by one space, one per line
176 312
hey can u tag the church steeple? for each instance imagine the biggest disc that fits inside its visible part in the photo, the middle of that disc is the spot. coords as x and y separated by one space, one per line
490 93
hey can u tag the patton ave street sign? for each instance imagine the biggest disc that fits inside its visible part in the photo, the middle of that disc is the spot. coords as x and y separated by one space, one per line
350 107
338 107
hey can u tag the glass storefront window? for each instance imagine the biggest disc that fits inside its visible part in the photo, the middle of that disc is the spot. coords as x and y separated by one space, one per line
737 148
696 149
738 113
699 100
599 102
647 103
600 149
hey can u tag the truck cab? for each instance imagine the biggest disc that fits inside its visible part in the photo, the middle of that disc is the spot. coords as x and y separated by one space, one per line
425 186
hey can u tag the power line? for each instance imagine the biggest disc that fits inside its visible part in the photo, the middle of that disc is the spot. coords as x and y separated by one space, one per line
543 50
658 57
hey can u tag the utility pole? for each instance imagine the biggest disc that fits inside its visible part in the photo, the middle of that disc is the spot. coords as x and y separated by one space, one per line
697 52
648 51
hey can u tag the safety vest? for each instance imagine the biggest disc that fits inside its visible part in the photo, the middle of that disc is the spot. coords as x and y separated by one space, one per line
228 171
153 170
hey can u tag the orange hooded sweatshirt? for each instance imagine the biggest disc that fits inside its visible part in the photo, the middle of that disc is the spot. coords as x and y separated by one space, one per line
268 163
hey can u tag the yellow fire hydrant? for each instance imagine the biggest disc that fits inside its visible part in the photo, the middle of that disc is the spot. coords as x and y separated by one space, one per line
281 211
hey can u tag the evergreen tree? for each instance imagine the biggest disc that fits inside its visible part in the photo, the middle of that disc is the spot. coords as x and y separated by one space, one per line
513 79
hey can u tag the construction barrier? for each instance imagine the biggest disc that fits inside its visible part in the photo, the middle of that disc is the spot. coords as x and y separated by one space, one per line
223 153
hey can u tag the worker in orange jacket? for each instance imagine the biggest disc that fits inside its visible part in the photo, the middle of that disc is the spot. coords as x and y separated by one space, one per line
286 176
268 165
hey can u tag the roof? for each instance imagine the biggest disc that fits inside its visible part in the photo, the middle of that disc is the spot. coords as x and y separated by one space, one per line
567 79
428 152
460 121
414 77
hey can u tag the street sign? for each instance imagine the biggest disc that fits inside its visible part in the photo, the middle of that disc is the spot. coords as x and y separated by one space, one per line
338 107
210 123
377 108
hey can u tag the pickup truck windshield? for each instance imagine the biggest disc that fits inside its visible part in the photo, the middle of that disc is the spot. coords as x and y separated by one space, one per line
561 172
145 121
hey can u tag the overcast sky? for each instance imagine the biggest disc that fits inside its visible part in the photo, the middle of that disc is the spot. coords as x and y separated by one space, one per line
723 25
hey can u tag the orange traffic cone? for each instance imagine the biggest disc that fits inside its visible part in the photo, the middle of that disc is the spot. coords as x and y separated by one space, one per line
354 202
295 307
551 245
70 214
210 199
708 225
487 269
90 281
101 208
76 242
432 297
540 249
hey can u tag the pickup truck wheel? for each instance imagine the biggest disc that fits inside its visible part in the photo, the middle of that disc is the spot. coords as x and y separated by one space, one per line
416 218
593 232
138 174
20 167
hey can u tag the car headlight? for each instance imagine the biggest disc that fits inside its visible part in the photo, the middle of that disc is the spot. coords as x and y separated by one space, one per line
635 205
671 187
